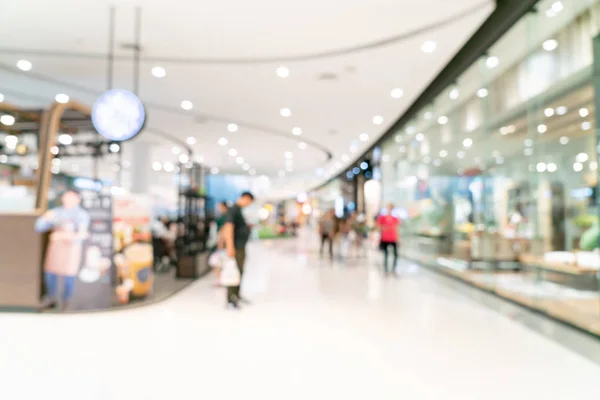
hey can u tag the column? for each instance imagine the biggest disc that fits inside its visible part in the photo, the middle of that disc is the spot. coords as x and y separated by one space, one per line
141 166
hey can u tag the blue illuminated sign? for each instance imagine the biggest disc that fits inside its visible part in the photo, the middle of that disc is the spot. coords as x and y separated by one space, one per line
118 115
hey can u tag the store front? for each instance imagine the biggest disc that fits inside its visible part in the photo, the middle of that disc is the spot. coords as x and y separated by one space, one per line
499 175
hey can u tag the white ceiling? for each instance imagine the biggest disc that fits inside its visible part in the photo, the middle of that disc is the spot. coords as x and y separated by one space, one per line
222 56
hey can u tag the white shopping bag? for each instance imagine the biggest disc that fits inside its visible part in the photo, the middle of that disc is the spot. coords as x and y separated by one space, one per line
230 274
216 259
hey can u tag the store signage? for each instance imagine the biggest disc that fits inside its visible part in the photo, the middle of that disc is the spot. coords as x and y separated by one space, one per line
118 115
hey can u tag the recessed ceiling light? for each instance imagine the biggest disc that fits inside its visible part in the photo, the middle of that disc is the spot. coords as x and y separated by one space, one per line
551 167
557 6
297 131
11 141
443 153
175 150
378 120
187 105
239 160
504 130
223 141
586 126
420 137
56 162
252 172
191 140
232 128
169 167
184 158
460 154
548 112
283 72
541 167
550 45
1 97
302 146
411 130
454 93
483 92
428 115
511 129
561 110
582 157
156 166
232 152
24 65
246 167
528 151
437 163
114 148
584 112
54 150
353 148
397 93
7 120
214 170
443 120
65 139
61 98
577 167
288 154
159 72
364 137
564 140
542 128
528 142
428 46
468 142
492 62
285 112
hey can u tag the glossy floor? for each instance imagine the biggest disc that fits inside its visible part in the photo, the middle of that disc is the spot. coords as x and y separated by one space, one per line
316 330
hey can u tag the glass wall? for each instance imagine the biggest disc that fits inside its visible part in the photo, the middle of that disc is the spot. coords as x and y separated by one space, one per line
499 175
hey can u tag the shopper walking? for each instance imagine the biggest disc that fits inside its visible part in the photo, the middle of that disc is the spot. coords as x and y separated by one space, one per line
220 222
388 226
327 231
236 234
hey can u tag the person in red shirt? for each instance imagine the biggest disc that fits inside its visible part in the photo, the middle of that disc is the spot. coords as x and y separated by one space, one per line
388 226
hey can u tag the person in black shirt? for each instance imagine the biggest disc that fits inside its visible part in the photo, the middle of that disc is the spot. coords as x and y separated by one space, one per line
236 233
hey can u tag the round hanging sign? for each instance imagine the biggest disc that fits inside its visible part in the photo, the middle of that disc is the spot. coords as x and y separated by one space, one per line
118 115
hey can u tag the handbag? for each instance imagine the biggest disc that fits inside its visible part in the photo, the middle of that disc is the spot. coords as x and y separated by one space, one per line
216 259
230 273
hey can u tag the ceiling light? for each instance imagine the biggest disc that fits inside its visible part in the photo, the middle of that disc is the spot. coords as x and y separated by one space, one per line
232 128
420 137
483 92
1 97
11 141
541 167
557 6
214 170
492 62
285 112
302 146
175 150
7 120
232 152
428 115
511 129
364 165
437 163
184 158
504 130
283 72
187 105
54 150
577 167
114 148
550 13
223 141
460 154
411 130
402 149
550 45
552 167
584 112
564 140
586 126
561 110
191 140
24 65
582 157
252 172
169 167
468 142
288 154
56 162
297 131
364 137
542 128
159 72
61 98
65 139
55 170
528 142
353 148
239 160
156 166
454 93
443 120
429 46
397 93
548 112
378 120
443 153
528 151
246 167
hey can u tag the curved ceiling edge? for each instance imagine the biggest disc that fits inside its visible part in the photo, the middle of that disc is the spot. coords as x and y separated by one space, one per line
273 59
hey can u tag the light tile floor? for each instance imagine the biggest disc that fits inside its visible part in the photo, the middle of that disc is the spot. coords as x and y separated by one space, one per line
316 330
